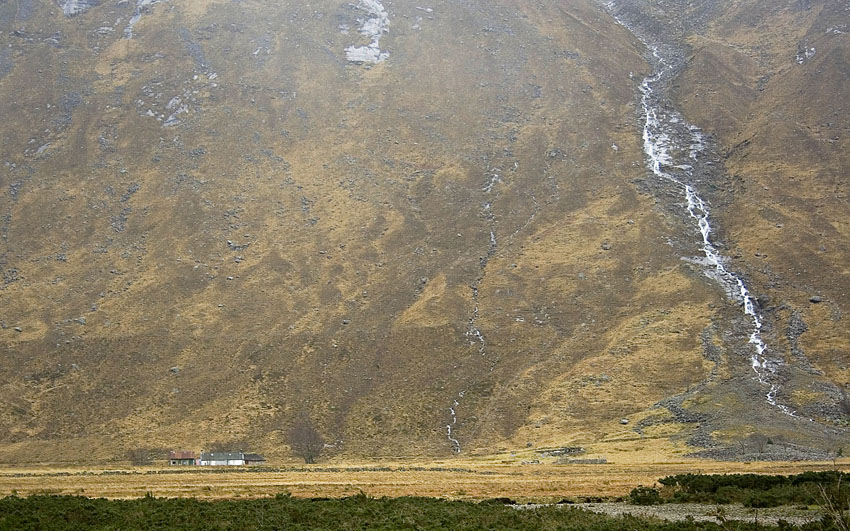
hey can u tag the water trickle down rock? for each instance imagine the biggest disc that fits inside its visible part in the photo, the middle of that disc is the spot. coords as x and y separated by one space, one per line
666 135
373 27
76 7
142 7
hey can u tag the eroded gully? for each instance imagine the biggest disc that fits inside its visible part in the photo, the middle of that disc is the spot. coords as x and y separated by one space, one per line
676 153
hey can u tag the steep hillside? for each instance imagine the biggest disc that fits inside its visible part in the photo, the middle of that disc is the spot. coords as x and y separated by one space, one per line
770 79
777 200
428 227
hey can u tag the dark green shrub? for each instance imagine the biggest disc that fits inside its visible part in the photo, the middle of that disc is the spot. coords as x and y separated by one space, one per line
760 500
644 496
294 514
727 494
756 490
498 501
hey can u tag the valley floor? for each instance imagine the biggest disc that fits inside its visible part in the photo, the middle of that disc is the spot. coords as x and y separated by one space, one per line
456 479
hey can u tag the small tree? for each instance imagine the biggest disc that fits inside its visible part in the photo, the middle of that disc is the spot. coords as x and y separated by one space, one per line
759 441
844 403
139 457
305 440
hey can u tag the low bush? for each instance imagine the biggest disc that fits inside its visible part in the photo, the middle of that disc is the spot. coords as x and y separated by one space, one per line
755 490
285 512
645 496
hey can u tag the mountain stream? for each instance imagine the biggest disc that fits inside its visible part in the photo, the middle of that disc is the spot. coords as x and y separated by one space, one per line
676 153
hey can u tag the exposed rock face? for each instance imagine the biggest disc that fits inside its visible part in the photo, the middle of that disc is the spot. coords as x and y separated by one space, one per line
373 27
75 7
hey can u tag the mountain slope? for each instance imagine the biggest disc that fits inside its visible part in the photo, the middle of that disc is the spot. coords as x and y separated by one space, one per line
775 95
213 221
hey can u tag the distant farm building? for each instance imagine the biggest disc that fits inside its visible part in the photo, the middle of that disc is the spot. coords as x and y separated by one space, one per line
188 458
230 459
254 459
221 459
181 457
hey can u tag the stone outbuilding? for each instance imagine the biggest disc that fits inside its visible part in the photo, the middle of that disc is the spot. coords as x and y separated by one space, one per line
181 457
254 459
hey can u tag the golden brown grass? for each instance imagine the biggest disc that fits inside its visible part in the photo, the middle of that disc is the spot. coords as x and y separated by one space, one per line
456 480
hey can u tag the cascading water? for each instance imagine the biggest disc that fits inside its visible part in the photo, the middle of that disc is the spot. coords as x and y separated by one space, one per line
674 150
472 330
449 426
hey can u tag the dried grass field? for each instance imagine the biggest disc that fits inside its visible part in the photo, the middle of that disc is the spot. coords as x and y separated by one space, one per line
454 480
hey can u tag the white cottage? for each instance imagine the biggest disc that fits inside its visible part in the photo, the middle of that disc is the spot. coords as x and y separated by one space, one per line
222 459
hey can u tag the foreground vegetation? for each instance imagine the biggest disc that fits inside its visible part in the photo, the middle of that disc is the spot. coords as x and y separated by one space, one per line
750 490
285 512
